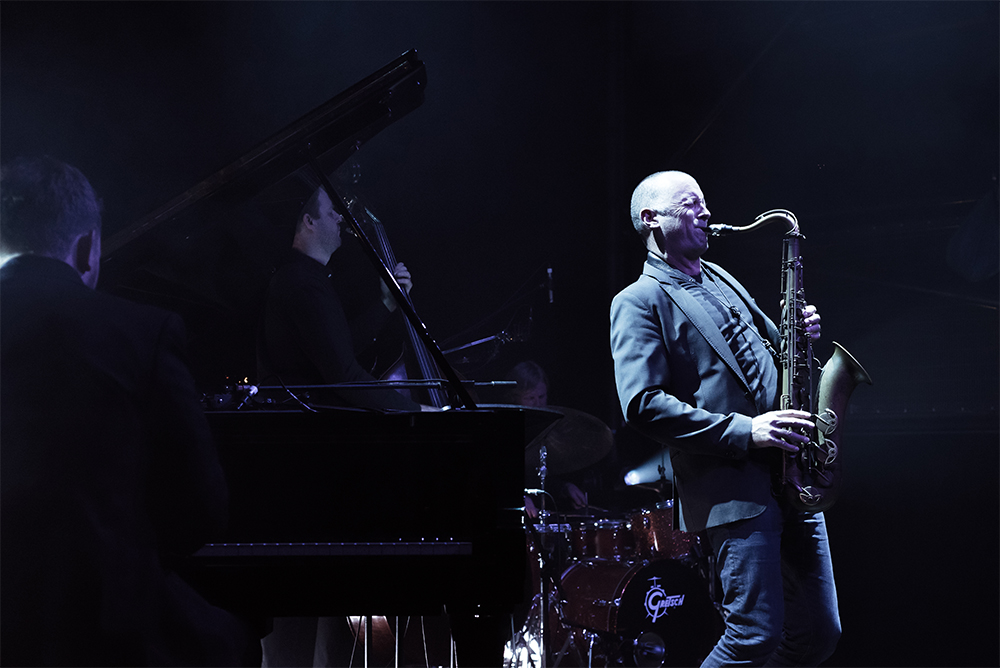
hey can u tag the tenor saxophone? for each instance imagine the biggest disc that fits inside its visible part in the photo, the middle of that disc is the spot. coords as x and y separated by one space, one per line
808 480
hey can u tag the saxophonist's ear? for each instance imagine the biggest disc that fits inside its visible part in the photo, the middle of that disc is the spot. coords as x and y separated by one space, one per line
648 218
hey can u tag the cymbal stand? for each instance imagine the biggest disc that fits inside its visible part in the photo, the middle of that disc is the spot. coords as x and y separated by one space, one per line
398 641
543 517
369 639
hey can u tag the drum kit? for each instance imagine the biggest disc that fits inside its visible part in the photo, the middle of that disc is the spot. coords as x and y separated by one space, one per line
628 590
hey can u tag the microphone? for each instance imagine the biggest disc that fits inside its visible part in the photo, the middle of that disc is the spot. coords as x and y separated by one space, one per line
251 390
549 280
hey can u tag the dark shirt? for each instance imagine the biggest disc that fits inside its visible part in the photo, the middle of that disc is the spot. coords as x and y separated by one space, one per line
735 321
306 338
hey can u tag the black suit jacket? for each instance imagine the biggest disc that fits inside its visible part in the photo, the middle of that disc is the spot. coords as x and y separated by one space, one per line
679 383
107 471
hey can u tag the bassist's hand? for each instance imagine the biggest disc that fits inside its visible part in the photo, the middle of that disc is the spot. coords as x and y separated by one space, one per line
402 276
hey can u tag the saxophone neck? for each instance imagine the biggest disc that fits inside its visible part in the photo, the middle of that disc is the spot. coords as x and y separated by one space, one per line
776 215
772 216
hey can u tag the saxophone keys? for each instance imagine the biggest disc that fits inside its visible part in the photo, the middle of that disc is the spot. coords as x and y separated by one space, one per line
826 422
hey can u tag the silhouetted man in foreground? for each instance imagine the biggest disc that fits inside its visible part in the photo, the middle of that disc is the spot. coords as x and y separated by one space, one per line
108 468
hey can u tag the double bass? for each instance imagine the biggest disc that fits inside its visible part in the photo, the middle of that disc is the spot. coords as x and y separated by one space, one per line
424 363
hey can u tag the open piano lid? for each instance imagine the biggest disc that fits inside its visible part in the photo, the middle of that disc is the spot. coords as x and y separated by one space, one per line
208 253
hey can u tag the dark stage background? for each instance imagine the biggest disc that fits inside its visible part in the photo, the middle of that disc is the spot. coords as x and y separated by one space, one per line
876 123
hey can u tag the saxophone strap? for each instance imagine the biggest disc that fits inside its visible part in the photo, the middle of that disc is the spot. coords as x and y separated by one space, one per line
759 321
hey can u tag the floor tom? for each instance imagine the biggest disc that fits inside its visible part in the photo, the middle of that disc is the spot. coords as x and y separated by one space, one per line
654 534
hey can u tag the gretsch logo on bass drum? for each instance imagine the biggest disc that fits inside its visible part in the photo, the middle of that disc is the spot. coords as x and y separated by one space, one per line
657 602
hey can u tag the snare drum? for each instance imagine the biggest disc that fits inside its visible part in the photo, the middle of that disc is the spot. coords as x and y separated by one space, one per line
551 536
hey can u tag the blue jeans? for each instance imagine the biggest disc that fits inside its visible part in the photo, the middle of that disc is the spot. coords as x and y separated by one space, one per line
779 596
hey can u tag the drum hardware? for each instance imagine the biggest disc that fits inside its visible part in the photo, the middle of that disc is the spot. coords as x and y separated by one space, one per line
593 638
655 474
543 514
649 650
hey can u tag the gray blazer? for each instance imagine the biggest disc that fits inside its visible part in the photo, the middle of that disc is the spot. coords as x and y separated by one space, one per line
679 383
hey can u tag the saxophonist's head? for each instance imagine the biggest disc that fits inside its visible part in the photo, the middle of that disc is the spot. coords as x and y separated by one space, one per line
670 214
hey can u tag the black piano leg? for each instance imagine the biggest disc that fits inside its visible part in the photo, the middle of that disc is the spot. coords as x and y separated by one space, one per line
479 638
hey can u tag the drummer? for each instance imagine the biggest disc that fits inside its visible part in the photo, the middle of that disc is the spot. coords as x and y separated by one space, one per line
591 489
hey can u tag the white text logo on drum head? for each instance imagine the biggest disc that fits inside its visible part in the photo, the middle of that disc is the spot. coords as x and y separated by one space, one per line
657 601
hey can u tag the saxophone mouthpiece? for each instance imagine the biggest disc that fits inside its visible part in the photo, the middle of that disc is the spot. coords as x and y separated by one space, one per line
720 230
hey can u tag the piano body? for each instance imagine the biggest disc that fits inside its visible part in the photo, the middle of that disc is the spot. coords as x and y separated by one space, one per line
333 512
349 512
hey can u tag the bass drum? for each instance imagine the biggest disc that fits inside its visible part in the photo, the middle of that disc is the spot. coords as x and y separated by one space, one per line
655 613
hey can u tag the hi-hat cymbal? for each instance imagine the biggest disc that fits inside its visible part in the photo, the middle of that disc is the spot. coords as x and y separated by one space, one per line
572 443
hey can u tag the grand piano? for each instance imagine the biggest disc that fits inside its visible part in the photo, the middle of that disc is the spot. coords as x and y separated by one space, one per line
333 511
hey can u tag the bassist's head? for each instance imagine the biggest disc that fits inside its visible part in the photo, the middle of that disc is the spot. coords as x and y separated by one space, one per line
317 231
